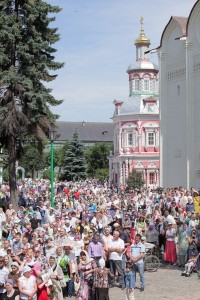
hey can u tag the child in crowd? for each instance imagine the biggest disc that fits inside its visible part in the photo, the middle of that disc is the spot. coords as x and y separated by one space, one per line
189 265
129 282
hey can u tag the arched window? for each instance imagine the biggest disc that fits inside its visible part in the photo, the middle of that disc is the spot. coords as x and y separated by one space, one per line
146 83
136 83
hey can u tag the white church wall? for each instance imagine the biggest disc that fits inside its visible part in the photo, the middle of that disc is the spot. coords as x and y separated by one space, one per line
173 109
193 86
196 119
175 160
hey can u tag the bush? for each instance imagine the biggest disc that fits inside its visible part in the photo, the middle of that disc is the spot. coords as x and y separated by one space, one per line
102 174
47 174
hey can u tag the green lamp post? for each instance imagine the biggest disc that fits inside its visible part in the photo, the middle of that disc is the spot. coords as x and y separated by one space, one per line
52 132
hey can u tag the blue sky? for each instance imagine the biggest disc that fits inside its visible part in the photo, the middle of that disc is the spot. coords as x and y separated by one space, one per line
97 46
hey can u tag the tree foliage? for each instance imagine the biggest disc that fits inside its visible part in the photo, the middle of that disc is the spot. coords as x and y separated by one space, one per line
97 162
26 62
135 180
32 159
59 155
74 160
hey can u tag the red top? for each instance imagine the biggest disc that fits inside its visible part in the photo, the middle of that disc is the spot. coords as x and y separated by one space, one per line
42 293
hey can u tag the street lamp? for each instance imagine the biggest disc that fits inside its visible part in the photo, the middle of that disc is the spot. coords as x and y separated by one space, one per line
52 132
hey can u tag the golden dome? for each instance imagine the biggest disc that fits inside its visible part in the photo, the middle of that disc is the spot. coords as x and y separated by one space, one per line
142 39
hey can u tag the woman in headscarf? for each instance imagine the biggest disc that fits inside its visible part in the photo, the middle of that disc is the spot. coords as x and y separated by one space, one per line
11 293
182 245
101 281
35 267
86 269
140 224
57 276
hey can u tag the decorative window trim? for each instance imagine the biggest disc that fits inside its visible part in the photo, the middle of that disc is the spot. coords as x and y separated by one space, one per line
148 132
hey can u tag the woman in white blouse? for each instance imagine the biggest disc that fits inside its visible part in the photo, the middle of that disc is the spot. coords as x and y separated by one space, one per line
170 254
27 285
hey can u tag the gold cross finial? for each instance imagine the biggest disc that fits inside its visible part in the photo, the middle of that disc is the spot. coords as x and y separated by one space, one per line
141 21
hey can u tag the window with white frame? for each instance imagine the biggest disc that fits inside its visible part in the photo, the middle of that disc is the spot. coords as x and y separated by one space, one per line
130 139
146 83
137 84
150 138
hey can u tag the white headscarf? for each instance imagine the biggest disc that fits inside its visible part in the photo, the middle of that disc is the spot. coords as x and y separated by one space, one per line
88 259
102 263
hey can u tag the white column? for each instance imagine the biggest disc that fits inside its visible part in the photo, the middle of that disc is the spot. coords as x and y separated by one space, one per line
157 178
147 174
120 140
140 139
110 170
130 165
120 177
157 137
163 117
190 118
126 170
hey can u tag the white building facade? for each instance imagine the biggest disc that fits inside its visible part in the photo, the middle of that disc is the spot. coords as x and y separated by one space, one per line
136 122
179 59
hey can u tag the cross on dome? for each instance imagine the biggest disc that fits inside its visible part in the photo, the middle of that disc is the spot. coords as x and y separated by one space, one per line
142 39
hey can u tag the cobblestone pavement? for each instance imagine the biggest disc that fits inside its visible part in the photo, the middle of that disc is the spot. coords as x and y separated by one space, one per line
165 284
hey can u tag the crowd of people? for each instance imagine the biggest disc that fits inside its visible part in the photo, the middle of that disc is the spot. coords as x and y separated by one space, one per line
91 238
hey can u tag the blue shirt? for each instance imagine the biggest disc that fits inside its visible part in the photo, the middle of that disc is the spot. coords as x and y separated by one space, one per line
137 249
92 208
130 280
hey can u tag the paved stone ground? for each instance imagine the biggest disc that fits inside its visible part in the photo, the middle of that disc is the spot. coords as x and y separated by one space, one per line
165 284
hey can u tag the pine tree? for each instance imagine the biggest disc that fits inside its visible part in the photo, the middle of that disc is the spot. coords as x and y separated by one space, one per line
135 180
74 162
26 63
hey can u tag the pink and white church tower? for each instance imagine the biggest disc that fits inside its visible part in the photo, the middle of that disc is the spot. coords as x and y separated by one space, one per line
136 122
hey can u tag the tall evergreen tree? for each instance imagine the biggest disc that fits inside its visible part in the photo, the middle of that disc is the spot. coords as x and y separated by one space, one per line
74 162
26 63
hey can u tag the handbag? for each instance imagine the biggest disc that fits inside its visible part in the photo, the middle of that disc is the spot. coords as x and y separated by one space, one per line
62 283
76 284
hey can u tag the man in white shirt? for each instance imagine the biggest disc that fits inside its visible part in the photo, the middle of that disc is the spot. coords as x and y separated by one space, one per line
115 249
168 218
73 220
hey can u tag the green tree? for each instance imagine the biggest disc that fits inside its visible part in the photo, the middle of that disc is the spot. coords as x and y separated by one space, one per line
32 159
47 174
135 180
59 155
97 162
74 161
26 63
